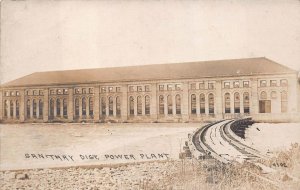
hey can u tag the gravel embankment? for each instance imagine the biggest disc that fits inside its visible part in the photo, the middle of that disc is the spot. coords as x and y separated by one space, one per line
148 175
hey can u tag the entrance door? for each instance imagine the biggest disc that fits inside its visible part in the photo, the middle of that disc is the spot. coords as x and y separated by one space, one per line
265 106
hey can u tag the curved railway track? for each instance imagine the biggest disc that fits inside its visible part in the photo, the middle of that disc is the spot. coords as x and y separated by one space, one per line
218 140
221 140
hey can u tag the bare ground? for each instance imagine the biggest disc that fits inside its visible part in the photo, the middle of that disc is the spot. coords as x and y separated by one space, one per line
138 138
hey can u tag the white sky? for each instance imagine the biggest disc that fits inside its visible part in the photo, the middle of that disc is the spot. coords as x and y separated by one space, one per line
58 35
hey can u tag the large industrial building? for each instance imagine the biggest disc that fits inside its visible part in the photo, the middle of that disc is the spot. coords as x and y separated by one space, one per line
179 92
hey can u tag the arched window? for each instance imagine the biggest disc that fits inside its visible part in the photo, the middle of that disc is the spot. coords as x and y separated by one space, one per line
110 106
264 104
41 108
147 105
211 104
170 104
5 108
58 107
263 95
91 106
118 106
227 103
34 105
11 107
161 105
237 103
131 105
193 104
103 106
246 102
28 109
83 106
139 105
65 108
51 108
17 109
178 104
202 103
284 101
77 107
273 95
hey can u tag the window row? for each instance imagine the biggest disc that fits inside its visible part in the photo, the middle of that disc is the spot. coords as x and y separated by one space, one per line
273 95
237 103
145 88
210 85
11 93
236 84
82 91
169 87
83 107
110 106
137 107
58 108
34 109
166 108
273 83
211 104
265 104
58 91
105 89
11 109
34 92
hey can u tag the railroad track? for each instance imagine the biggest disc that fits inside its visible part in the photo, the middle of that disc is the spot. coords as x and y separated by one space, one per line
219 141
222 141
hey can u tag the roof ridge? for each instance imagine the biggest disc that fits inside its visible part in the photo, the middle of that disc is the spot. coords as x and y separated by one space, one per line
158 64
166 71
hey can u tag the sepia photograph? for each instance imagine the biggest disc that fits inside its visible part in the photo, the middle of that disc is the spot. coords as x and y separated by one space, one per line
150 95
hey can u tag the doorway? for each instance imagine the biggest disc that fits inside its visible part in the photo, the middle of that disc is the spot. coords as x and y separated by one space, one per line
265 106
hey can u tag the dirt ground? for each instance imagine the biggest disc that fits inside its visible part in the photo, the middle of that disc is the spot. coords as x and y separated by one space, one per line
102 152
25 146
272 137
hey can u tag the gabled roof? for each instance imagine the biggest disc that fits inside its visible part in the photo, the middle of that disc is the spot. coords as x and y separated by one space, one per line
188 70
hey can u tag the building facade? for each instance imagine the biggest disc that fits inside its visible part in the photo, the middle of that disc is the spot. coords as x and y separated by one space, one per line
184 92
